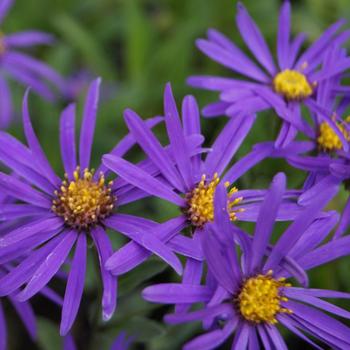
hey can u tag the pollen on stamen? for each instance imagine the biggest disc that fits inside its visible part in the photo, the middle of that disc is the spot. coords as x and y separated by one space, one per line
292 85
200 202
260 298
83 202
328 140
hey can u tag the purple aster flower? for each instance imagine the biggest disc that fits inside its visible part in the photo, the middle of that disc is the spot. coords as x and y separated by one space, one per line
248 295
60 213
189 181
21 67
283 87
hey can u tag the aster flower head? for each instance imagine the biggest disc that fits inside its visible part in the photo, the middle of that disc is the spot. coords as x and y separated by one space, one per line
283 87
60 213
249 295
21 67
183 176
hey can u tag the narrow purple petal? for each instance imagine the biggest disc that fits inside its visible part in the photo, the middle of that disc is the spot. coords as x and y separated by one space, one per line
177 137
227 143
39 155
192 275
254 39
173 293
241 338
26 313
266 220
212 339
152 147
283 35
294 232
276 337
75 285
88 124
139 178
145 239
67 140
5 6
237 61
105 250
36 68
28 38
48 268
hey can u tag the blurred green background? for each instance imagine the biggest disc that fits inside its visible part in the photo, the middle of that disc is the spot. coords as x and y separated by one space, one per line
137 46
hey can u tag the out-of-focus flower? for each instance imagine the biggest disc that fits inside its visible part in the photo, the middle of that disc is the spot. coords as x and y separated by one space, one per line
60 213
23 68
248 294
285 87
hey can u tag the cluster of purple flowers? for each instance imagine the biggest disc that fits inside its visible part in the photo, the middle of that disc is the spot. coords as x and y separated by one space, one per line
234 282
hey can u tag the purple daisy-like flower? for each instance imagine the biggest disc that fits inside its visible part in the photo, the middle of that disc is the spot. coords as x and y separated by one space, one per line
188 181
248 294
283 87
21 67
60 214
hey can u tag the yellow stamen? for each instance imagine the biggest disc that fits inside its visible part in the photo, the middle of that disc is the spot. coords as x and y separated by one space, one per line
83 202
200 202
292 85
260 298
328 140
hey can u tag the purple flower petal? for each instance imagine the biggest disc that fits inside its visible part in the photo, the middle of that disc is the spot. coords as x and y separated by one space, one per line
35 67
22 272
294 232
153 148
28 38
266 220
177 138
105 250
139 178
236 61
254 39
48 268
275 337
75 285
212 339
227 143
67 140
145 239
283 35
88 124
5 5
241 338
34 145
26 313
173 293
292 326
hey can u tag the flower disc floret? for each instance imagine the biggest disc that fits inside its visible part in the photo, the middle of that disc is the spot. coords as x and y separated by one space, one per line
84 201
200 202
260 299
328 140
292 85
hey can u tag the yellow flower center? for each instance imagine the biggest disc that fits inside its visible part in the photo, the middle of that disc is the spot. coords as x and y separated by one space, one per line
328 140
83 202
292 84
200 202
260 298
